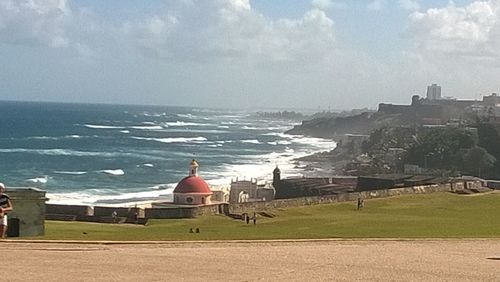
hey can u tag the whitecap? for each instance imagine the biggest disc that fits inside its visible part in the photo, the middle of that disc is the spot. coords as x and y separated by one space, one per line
173 139
250 128
183 123
38 180
70 172
124 131
98 126
252 141
147 127
116 172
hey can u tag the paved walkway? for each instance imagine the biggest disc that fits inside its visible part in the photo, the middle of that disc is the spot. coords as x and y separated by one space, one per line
322 260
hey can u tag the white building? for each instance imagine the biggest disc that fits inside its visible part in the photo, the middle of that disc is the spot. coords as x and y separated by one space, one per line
433 92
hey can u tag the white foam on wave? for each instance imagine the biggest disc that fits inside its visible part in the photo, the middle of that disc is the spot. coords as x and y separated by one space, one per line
107 197
115 172
74 136
146 165
68 152
251 141
70 172
183 123
261 166
250 128
124 131
173 139
147 127
317 142
38 180
99 126
189 116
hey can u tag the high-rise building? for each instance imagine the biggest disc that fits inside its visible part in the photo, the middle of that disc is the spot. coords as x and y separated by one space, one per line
433 92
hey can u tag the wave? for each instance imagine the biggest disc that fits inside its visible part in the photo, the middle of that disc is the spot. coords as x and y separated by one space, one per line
183 123
74 136
98 126
250 128
146 127
252 141
124 131
146 165
38 180
160 192
115 172
70 172
173 139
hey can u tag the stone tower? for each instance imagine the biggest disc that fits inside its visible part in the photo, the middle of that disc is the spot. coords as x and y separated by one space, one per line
276 177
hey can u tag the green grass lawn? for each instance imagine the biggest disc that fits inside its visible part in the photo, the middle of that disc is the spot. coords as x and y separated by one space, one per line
439 215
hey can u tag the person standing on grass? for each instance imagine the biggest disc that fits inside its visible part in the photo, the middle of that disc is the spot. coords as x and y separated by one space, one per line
5 207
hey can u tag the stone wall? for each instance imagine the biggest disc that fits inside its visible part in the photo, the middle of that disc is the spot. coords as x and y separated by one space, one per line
29 208
342 197
176 212
183 212
78 211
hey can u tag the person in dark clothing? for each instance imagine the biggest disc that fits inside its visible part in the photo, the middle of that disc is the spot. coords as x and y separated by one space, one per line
5 207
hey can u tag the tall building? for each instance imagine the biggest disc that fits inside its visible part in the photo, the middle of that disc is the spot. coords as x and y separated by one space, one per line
433 92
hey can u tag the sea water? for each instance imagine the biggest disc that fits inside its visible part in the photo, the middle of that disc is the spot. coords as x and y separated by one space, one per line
107 154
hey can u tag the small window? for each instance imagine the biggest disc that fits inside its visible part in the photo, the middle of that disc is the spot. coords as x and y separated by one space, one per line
189 199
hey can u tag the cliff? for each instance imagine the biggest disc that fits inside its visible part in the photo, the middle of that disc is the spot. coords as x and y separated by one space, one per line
363 123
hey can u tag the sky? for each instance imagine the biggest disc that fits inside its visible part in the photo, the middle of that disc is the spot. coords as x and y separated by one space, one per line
285 54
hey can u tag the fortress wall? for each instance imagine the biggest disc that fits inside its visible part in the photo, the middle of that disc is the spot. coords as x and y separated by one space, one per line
120 211
206 210
342 197
164 213
79 211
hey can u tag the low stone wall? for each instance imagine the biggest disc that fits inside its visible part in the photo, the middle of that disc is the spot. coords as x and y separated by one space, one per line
120 211
343 197
176 212
79 211
182 212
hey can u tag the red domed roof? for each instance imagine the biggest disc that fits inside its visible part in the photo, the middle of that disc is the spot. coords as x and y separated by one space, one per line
193 184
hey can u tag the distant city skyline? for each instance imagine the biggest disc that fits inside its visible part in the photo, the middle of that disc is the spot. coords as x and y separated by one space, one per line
248 53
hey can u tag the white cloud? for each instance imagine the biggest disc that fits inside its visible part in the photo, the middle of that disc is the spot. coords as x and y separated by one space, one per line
411 5
232 30
469 31
328 4
34 22
377 5
456 46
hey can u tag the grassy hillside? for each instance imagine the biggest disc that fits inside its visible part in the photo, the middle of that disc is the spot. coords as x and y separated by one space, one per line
440 215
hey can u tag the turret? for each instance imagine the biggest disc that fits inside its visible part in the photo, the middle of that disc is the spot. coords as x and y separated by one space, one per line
193 168
276 177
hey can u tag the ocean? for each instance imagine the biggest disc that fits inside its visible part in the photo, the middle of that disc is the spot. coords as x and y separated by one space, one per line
94 154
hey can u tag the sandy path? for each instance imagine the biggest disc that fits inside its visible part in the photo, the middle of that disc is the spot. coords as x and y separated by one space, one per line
361 260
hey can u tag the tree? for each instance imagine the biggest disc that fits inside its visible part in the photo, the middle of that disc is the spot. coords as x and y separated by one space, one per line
477 160
440 148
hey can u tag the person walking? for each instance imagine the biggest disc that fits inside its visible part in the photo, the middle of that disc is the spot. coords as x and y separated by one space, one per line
5 207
